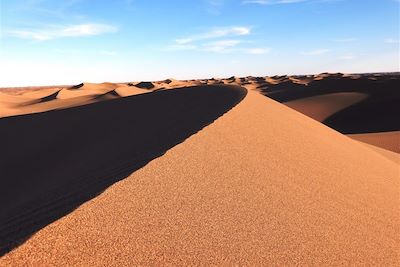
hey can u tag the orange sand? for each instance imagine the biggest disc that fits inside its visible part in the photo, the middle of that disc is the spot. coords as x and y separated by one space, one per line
262 185
386 140
323 106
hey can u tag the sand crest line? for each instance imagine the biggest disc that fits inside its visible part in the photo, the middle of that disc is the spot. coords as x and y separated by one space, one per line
141 128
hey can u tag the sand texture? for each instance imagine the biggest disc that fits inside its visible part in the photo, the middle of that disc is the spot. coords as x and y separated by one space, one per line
386 140
210 173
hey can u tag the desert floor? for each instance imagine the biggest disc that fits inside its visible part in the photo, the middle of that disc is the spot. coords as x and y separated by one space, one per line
254 171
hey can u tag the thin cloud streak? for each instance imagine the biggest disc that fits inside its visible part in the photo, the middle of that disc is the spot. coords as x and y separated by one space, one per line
108 52
347 57
214 6
257 51
222 45
211 41
216 33
392 40
56 32
346 40
316 52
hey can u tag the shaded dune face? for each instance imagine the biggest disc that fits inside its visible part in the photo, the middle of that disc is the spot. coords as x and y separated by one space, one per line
323 106
374 113
386 140
52 162
261 186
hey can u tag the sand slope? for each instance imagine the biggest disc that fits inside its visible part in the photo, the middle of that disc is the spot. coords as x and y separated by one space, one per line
395 157
56 160
386 140
323 106
52 99
374 113
262 185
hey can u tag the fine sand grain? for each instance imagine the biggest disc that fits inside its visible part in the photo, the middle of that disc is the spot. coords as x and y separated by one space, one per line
262 185
57 160
386 140
323 106
393 156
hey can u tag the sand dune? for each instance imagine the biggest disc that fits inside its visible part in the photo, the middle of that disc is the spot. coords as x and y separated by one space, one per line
386 140
102 87
145 85
52 104
262 185
72 93
393 156
372 114
41 94
129 91
86 89
7 99
172 83
84 149
350 103
322 107
55 98
144 173
31 89
11 104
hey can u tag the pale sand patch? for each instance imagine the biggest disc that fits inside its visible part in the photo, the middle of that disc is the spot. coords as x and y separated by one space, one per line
130 90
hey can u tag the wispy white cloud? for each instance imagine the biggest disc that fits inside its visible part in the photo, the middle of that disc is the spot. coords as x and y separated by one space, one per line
257 50
215 33
221 45
109 52
214 6
347 57
55 32
219 40
346 40
212 40
215 2
40 9
180 47
392 40
65 51
316 52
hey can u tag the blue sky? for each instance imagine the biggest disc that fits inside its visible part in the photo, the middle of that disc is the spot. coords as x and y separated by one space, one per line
47 42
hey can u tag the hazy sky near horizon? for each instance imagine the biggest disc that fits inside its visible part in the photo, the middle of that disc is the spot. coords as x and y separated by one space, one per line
48 42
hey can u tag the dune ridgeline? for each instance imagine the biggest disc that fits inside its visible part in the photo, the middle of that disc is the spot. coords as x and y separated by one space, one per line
253 171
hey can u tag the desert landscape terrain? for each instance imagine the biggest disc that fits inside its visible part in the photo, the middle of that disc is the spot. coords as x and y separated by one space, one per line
252 171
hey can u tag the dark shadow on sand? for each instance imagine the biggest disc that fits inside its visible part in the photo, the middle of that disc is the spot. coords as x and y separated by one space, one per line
52 162
377 113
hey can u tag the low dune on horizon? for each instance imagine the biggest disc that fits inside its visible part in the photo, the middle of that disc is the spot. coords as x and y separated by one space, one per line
280 170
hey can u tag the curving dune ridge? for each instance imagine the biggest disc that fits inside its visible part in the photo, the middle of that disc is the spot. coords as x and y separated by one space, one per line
262 185
85 149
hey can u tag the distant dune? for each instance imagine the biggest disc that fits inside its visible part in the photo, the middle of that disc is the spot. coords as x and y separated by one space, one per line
375 98
321 107
202 172
386 140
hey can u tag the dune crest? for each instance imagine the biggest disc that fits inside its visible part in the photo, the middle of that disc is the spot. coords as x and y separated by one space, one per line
261 185
112 139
